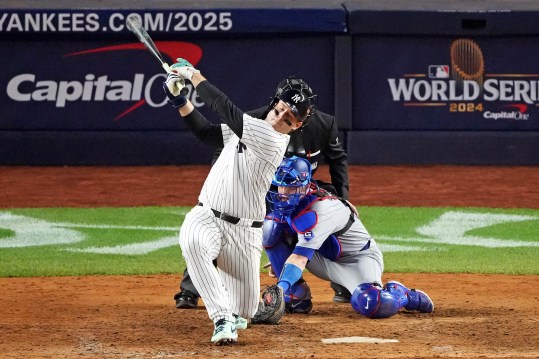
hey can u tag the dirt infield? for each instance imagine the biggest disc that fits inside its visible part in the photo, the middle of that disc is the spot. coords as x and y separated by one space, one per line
476 316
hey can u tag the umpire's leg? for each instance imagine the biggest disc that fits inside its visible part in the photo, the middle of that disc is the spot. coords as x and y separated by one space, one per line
187 297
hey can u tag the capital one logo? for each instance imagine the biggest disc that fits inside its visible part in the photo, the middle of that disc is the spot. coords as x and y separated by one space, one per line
28 87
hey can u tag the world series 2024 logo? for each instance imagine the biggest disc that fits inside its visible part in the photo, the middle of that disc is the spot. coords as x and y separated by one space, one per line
465 87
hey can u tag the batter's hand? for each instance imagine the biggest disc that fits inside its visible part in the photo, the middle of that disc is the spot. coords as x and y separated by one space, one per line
175 84
184 69
175 90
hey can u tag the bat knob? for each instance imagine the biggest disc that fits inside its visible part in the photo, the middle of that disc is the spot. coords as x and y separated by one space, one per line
184 91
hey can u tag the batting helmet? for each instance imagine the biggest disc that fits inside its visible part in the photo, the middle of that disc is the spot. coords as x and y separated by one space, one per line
292 82
294 173
297 95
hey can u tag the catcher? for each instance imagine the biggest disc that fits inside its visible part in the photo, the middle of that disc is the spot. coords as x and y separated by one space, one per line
312 228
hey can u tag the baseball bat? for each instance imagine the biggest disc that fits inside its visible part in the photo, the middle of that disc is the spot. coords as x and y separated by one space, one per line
133 24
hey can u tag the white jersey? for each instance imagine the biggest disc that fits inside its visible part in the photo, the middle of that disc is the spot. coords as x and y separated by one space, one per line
240 178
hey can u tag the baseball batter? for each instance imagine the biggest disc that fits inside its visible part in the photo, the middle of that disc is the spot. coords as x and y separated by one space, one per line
317 138
226 223
332 243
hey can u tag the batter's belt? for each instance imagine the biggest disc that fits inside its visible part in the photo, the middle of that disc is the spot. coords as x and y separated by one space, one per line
231 219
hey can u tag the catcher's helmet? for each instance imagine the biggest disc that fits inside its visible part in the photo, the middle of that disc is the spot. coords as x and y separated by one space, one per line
294 173
297 95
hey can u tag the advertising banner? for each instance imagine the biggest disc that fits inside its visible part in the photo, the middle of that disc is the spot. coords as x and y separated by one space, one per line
186 18
442 83
94 85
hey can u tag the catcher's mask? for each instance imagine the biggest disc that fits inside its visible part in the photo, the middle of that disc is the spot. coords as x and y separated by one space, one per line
291 180
297 95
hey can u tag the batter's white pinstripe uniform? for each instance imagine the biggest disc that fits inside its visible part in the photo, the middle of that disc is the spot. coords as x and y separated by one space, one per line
236 186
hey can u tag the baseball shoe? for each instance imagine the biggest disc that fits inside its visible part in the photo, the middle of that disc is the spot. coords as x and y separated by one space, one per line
298 306
342 295
240 323
186 300
411 299
225 333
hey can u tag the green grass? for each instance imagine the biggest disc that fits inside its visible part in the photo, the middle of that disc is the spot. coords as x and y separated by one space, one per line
101 241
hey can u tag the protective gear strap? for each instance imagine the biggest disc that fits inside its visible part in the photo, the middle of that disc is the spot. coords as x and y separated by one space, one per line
347 226
290 275
303 219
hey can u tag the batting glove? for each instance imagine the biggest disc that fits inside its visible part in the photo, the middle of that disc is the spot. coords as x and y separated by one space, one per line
175 90
184 69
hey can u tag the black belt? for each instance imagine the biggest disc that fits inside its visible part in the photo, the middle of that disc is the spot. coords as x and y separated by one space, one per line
231 219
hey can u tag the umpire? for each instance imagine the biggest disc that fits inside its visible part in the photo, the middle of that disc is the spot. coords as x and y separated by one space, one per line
318 138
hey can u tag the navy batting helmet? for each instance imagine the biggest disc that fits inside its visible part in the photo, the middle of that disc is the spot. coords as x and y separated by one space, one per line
292 180
297 95
292 82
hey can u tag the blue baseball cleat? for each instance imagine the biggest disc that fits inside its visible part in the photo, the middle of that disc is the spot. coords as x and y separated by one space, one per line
411 299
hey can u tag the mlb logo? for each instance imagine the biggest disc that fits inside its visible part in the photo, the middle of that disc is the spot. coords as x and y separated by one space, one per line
308 235
439 71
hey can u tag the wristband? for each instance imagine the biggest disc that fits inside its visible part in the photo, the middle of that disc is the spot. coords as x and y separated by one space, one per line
178 102
289 276
175 101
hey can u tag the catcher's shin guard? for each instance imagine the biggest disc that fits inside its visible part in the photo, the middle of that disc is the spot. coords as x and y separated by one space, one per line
411 299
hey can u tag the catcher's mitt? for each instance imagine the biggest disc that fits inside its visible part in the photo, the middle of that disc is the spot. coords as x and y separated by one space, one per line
271 308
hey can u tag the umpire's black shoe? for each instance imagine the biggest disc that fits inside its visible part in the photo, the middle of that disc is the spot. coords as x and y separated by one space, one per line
342 295
186 300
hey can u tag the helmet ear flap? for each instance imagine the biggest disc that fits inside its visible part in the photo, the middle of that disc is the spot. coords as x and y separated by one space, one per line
273 101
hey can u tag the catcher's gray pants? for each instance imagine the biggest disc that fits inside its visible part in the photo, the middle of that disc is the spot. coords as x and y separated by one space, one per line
366 266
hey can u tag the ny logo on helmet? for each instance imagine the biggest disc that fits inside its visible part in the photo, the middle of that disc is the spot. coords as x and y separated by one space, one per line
297 98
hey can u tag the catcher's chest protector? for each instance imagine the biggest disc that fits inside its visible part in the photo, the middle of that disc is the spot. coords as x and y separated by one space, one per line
303 219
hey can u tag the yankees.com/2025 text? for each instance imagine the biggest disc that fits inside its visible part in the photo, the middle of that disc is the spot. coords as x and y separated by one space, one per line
65 22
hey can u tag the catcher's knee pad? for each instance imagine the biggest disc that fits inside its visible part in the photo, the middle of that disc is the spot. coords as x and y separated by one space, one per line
374 302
